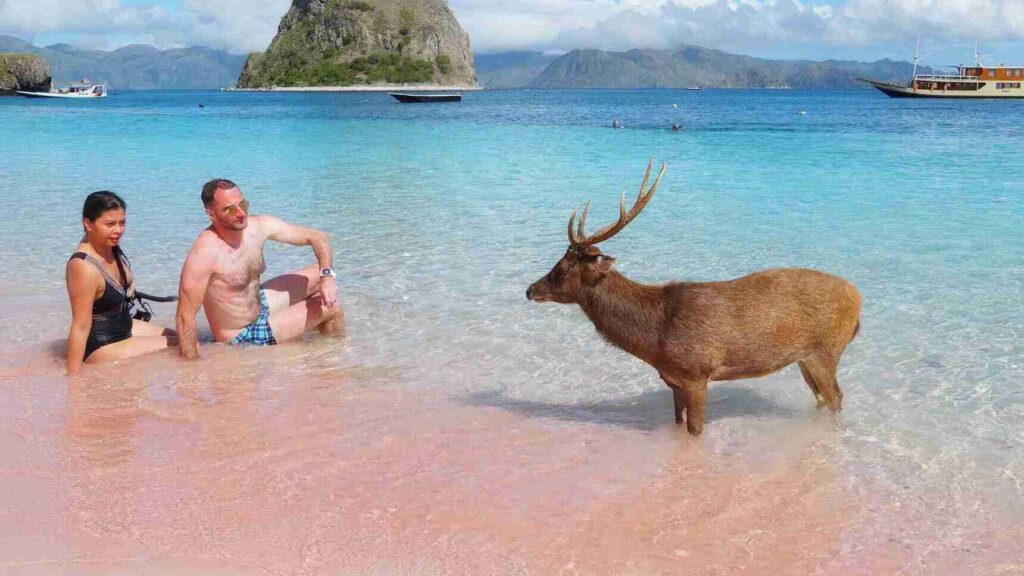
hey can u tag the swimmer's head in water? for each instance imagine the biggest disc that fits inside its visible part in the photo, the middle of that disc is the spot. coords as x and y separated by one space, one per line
225 204
103 218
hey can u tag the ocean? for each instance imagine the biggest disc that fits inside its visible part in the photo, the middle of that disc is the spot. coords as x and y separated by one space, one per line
459 428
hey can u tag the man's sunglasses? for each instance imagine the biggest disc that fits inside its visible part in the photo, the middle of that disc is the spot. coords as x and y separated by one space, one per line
230 210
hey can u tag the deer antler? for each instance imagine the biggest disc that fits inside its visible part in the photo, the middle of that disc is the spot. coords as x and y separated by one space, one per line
579 238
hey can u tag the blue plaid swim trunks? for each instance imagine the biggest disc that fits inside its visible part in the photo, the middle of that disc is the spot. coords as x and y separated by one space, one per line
258 332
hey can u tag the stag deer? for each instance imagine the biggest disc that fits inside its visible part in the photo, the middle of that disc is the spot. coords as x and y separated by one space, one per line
697 332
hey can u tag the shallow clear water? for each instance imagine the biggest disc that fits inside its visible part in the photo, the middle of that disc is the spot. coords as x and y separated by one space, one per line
460 428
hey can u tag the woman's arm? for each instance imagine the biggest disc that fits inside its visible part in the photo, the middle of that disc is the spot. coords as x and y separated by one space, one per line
81 282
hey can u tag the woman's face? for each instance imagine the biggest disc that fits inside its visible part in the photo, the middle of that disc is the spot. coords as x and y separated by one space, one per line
107 229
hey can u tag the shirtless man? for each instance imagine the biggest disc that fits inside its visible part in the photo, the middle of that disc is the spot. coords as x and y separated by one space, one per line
222 272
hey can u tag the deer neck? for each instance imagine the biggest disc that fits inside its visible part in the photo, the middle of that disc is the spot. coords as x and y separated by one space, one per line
626 313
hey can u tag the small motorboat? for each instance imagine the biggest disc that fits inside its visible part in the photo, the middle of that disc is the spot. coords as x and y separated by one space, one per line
421 98
83 89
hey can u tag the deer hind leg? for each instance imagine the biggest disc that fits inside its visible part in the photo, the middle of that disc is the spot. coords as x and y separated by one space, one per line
810 384
821 370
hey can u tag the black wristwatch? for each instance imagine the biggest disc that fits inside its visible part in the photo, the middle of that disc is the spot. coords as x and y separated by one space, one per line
327 273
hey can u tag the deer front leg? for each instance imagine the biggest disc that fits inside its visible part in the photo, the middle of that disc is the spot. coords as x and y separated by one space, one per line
680 403
696 405
691 396
677 398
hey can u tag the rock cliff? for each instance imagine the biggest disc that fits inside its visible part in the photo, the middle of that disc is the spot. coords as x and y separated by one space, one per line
23 72
350 42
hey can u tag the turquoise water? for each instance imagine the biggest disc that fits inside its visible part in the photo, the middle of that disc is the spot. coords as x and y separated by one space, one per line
442 215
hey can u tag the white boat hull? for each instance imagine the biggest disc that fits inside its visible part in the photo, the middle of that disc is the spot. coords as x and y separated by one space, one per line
59 95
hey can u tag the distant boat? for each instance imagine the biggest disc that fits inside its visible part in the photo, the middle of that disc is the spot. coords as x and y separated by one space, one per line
74 90
976 81
693 88
414 98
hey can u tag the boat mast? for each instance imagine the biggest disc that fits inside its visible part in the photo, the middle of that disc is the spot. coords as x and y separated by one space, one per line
917 50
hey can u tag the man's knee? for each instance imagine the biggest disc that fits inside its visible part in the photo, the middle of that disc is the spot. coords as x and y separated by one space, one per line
332 322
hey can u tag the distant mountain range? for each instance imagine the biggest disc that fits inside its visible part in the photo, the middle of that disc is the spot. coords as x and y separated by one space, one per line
510 69
137 66
688 66
145 67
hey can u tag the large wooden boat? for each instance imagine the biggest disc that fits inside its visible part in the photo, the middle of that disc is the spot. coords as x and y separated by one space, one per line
977 81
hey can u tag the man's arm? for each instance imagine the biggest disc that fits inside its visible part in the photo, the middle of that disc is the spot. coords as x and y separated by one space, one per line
195 277
281 231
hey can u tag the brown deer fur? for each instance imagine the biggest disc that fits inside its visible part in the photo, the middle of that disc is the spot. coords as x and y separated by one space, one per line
697 332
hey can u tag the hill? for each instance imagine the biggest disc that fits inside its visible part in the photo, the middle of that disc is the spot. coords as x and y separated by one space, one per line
136 66
23 72
510 69
359 42
695 66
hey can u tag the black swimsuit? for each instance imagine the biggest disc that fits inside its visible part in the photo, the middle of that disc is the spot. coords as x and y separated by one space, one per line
111 314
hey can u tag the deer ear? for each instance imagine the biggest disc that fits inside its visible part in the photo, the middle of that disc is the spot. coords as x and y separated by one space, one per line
604 263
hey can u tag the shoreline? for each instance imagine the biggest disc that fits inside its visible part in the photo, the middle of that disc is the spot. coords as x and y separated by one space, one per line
374 88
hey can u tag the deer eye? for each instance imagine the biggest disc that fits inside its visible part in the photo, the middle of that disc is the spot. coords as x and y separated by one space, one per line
558 272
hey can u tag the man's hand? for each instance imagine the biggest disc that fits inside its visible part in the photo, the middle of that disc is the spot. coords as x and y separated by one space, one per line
281 231
329 291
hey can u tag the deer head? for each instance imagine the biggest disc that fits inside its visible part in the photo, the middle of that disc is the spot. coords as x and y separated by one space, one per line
584 266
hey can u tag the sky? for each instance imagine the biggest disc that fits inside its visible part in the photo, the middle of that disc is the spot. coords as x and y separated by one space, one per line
812 29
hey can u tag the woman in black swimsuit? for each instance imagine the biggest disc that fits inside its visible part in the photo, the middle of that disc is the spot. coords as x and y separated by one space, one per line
100 286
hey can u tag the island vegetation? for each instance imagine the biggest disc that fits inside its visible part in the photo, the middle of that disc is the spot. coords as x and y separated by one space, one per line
361 42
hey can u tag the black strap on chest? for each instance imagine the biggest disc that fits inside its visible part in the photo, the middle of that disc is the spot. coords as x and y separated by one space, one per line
118 255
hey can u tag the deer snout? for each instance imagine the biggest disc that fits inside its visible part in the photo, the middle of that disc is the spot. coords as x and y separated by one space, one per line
535 293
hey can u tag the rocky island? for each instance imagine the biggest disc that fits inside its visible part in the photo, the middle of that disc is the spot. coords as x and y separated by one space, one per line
24 72
353 43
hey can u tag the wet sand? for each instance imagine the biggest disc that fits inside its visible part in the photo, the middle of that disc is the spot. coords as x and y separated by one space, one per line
233 465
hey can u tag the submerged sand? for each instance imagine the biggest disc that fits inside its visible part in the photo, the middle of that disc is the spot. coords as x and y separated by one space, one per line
294 461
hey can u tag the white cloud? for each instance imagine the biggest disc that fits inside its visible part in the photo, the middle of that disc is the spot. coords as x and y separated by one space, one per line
740 24
526 24
235 25
494 25
41 16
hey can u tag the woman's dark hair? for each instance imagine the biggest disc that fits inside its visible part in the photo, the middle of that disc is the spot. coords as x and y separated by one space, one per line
99 202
